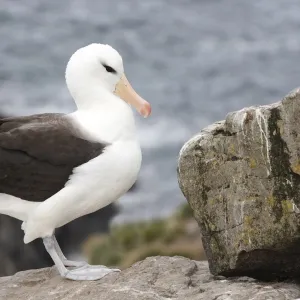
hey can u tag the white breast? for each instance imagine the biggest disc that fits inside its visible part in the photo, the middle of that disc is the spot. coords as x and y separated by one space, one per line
105 178
108 124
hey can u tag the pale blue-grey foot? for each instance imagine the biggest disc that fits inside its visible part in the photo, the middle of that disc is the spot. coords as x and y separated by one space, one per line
85 272
65 261
89 272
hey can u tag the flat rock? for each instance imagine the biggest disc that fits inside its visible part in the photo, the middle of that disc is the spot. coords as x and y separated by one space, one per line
155 278
241 177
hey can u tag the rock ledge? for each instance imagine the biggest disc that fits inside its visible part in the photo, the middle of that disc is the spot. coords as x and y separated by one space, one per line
155 278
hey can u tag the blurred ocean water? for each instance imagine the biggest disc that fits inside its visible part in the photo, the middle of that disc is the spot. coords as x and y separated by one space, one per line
194 60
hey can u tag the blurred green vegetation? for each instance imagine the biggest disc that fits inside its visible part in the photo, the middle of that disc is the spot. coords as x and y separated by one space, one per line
185 212
129 243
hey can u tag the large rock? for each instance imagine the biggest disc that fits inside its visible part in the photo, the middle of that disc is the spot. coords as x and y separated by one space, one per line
156 278
241 177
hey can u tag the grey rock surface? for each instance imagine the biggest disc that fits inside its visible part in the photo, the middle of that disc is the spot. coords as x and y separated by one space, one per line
241 177
155 278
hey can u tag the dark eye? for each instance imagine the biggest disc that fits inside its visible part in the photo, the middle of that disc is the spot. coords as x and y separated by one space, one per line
109 69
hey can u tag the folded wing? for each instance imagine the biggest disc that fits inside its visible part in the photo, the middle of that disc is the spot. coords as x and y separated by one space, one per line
38 154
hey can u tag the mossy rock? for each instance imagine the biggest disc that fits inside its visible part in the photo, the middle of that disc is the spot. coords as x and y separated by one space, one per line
248 207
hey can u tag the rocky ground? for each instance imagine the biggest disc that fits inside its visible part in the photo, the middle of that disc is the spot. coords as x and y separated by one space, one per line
155 278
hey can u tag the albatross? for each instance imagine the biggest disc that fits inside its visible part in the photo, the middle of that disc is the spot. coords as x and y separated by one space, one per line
55 167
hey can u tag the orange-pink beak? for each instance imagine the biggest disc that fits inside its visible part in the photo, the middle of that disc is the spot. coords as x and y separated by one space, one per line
126 92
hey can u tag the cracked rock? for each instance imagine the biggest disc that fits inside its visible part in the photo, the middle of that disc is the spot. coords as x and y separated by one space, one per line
155 278
241 177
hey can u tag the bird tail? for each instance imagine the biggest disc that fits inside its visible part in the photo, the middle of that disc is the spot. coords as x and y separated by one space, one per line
16 207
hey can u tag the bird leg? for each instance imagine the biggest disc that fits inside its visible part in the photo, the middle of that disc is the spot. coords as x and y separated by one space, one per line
65 261
85 272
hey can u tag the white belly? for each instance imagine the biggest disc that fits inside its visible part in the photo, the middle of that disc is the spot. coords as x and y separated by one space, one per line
104 179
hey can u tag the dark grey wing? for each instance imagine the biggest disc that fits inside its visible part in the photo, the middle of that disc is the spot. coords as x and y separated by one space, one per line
38 154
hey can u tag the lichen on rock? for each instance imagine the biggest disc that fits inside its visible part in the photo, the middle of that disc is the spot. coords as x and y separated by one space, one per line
241 178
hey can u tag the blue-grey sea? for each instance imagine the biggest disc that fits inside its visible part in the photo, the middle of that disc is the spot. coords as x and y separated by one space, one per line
194 60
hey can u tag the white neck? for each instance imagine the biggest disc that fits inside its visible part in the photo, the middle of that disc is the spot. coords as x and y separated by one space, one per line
105 116
93 97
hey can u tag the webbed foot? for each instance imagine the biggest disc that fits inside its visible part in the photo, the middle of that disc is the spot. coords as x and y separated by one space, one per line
88 272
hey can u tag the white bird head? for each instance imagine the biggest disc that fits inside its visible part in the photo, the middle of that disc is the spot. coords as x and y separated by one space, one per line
99 66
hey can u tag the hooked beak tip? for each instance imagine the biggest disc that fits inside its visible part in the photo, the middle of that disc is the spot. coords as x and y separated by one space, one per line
145 110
